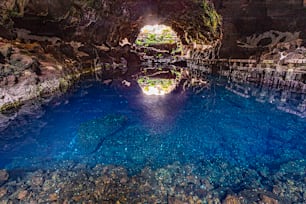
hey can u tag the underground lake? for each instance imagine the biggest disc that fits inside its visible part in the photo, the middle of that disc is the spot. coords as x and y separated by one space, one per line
152 102
209 141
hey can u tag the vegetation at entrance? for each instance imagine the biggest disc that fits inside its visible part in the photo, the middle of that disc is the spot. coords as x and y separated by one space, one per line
211 18
163 36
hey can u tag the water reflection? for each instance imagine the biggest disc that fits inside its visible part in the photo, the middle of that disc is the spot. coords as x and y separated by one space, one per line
199 98
284 100
159 81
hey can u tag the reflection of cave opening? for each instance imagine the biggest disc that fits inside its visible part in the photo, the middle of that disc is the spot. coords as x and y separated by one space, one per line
159 82
159 36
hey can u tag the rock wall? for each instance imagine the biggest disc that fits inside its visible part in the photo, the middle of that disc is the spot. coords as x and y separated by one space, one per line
243 18
109 22
81 35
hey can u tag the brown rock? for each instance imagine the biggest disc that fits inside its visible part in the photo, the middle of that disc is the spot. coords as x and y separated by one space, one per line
53 197
107 81
3 176
230 199
172 200
21 61
22 195
6 49
268 200
37 180
11 80
3 192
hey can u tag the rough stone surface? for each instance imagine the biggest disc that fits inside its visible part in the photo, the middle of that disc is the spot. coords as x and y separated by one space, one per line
3 176
26 72
175 183
110 22
243 18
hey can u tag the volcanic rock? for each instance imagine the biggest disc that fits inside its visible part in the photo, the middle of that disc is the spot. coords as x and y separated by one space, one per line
3 176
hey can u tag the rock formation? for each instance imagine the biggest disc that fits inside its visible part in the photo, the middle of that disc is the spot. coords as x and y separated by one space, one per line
243 18
110 22
51 42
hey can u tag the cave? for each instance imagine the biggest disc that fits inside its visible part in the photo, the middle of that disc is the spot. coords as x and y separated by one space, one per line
152 101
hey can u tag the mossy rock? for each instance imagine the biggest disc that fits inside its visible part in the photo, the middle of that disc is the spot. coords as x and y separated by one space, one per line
92 134
10 107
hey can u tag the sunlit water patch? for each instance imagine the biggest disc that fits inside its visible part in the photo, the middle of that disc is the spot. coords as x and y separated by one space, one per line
216 128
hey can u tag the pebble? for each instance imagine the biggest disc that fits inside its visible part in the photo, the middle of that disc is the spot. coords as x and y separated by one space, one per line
37 180
53 197
22 194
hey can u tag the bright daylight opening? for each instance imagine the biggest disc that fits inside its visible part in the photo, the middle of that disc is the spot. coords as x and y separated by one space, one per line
160 43
156 86
160 36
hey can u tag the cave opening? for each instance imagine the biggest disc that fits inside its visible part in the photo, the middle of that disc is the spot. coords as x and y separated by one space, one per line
159 36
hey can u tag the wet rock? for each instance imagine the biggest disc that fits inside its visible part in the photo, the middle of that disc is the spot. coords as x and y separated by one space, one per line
53 197
107 81
172 200
126 83
6 50
11 80
7 33
37 180
20 61
3 192
80 183
2 60
92 134
67 50
28 72
267 200
22 194
230 199
4 176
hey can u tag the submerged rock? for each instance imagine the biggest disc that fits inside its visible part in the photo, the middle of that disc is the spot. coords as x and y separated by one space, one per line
92 134
3 192
3 176
231 200
267 200
176 183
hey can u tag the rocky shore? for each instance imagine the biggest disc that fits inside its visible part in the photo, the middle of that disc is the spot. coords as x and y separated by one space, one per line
210 182
31 69
26 74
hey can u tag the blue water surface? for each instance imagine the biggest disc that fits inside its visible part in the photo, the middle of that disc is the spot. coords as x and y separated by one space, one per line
251 130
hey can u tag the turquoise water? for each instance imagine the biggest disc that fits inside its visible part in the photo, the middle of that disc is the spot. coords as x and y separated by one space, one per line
99 124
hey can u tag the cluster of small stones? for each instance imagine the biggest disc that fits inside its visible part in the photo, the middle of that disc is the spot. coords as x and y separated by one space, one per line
71 183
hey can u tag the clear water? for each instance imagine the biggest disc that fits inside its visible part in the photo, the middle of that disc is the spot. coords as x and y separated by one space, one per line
216 124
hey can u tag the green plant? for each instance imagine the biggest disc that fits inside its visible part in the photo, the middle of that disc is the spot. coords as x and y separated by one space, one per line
167 36
138 42
211 18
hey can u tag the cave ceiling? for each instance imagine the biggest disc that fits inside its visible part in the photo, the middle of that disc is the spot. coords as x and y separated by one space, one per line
110 21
